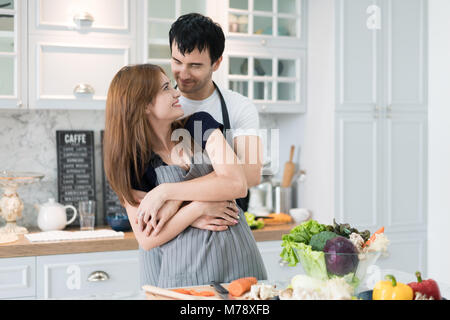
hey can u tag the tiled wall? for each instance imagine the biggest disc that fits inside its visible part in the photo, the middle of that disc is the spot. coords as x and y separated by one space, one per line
28 143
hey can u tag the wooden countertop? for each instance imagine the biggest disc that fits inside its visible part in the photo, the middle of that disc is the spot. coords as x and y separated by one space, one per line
24 248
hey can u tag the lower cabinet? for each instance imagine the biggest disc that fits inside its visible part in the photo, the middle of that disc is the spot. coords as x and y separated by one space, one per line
69 276
276 271
17 278
87 274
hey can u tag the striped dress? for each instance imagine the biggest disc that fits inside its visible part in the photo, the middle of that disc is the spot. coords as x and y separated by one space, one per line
196 256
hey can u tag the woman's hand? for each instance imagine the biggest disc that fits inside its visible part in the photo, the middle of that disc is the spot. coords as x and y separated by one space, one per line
164 214
150 205
217 215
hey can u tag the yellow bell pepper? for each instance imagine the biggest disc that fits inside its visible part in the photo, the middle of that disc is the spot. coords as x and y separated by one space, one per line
390 289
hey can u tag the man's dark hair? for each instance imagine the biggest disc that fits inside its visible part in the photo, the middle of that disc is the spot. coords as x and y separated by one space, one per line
194 30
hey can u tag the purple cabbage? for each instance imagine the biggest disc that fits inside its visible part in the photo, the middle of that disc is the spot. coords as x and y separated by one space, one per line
341 256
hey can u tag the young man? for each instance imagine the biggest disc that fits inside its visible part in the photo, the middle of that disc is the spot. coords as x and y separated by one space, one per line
197 45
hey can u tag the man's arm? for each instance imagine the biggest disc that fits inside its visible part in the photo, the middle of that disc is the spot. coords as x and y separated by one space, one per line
249 150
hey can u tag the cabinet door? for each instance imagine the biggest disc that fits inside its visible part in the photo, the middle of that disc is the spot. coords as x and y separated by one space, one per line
83 71
407 252
13 54
405 172
273 77
87 274
358 61
405 50
358 170
274 22
81 16
17 277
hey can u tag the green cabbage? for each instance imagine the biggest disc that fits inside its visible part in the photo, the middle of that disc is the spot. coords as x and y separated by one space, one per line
300 234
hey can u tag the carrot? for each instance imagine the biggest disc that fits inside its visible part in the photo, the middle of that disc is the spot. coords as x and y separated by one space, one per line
183 291
372 238
193 292
240 286
203 293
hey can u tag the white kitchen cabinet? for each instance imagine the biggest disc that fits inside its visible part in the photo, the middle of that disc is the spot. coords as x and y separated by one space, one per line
82 17
276 271
18 278
265 59
265 52
381 123
13 54
82 44
84 70
87 274
381 55
156 22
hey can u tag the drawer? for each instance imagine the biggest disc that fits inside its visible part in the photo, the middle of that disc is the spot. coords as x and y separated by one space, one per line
84 73
17 277
87 274
81 16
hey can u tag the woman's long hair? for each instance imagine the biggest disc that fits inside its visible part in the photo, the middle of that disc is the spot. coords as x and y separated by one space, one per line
127 136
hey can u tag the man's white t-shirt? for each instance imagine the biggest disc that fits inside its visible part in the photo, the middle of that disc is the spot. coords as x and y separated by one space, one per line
243 115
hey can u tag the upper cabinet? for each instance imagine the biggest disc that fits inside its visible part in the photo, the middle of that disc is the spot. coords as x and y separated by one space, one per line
157 21
12 58
268 22
381 65
265 53
81 16
75 49
265 48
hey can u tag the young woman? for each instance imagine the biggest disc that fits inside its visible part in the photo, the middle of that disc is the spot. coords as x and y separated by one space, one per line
153 175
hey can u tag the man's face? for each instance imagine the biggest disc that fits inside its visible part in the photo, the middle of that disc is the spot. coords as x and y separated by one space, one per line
193 71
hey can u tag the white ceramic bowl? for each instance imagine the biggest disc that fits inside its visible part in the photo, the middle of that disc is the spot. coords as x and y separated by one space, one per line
300 214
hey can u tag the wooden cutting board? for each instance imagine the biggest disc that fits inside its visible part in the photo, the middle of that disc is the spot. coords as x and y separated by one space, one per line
157 293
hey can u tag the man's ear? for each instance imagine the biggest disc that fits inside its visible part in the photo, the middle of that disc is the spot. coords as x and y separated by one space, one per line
216 64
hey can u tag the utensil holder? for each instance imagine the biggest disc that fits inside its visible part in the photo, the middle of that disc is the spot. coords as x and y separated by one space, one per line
283 199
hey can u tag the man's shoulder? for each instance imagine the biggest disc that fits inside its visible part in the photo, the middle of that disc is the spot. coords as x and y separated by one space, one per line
234 96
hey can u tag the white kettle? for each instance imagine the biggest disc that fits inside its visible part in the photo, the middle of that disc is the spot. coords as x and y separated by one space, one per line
52 215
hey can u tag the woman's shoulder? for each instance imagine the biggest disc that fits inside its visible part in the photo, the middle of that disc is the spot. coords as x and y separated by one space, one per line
206 119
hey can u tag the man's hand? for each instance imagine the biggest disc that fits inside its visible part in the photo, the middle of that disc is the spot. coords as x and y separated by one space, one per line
217 215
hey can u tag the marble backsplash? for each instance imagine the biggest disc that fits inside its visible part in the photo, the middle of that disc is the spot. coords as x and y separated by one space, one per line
28 143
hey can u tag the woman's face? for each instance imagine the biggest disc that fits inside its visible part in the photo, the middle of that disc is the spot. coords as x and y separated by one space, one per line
165 105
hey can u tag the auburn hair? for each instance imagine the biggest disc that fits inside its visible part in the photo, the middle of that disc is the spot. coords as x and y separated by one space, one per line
127 135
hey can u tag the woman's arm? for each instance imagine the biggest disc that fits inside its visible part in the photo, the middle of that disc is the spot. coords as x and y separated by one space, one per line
211 216
227 181
180 221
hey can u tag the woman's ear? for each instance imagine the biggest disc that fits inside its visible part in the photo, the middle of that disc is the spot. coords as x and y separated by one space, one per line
148 108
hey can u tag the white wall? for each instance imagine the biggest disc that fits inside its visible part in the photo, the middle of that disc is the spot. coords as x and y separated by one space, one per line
317 154
439 141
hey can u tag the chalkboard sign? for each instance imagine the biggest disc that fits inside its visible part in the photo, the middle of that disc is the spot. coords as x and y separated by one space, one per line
111 203
76 167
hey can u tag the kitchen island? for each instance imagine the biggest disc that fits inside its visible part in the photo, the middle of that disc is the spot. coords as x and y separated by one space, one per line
102 268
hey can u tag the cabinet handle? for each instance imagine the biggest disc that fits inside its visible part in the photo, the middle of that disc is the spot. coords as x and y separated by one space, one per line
85 17
98 276
83 88
376 112
263 42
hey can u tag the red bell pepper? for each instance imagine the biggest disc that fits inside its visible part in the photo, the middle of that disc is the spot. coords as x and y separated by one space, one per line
428 287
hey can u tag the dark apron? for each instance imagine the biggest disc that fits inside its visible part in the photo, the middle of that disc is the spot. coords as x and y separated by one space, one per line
242 202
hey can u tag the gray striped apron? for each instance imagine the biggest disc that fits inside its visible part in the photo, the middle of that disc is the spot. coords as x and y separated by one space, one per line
196 256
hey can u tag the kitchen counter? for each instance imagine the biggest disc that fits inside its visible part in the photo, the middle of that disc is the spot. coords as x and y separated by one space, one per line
25 248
